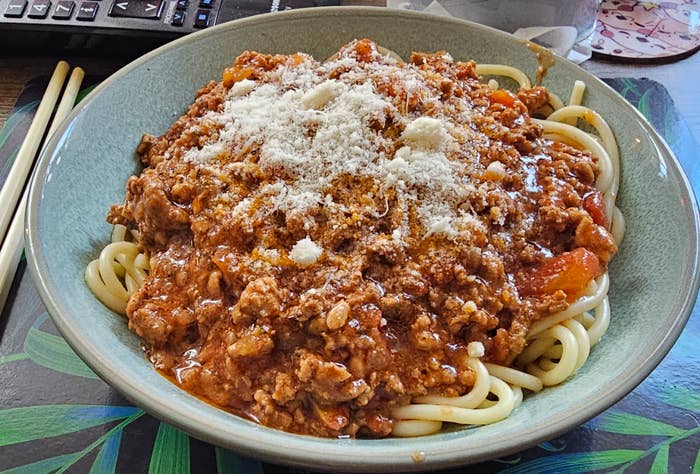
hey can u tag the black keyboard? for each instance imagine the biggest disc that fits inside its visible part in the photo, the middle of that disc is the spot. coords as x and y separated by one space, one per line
123 27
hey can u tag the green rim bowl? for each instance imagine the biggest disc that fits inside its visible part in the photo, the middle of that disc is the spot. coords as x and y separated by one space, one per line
83 170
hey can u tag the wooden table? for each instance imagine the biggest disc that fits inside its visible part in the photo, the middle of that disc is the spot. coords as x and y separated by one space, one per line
15 71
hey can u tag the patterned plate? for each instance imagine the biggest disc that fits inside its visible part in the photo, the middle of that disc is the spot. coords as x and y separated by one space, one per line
647 31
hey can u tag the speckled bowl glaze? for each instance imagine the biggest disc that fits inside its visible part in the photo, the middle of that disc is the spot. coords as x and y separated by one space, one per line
84 169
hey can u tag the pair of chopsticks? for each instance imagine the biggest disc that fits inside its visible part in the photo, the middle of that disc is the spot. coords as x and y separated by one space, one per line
11 213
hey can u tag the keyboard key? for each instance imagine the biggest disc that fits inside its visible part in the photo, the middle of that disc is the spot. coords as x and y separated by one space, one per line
178 18
63 10
119 8
150 9
206 3
182 4
201 20
87 11
39 9
15 9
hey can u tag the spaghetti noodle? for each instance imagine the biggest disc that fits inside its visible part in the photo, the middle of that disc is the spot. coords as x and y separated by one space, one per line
310 335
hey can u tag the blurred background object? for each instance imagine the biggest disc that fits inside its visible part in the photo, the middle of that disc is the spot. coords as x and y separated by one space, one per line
511 15
565 26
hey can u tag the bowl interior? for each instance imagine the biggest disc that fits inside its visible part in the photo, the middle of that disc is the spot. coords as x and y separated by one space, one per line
84 170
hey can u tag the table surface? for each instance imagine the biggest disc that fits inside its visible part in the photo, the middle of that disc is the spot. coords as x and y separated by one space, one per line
678 78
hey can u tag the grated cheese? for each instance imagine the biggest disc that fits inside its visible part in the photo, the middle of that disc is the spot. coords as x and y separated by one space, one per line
314 130
305 252
320 95
241 88
441 225
425 132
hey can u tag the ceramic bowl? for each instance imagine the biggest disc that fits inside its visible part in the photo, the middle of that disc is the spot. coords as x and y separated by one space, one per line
87 162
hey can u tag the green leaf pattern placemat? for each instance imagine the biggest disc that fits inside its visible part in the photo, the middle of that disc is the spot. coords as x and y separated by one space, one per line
57 416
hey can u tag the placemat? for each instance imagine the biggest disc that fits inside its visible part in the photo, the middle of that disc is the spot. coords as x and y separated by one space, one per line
647 31
56 415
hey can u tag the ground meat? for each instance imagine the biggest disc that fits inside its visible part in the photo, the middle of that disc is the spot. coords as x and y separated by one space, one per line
534 98
596 238
317 308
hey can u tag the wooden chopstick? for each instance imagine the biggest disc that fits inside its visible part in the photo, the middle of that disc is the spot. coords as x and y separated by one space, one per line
12 188
12 245
67 100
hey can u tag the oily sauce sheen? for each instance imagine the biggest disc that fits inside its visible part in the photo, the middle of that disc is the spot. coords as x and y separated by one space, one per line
406 262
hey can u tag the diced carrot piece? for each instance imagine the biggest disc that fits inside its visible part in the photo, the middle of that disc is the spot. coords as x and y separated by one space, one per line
366 50
593 205
235 74
569 272
502 96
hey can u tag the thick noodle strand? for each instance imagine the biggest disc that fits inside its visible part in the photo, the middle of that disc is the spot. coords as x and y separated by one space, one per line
118 272
463 416
506 71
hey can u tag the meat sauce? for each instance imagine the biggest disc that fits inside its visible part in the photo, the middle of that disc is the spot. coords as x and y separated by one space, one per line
386 312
